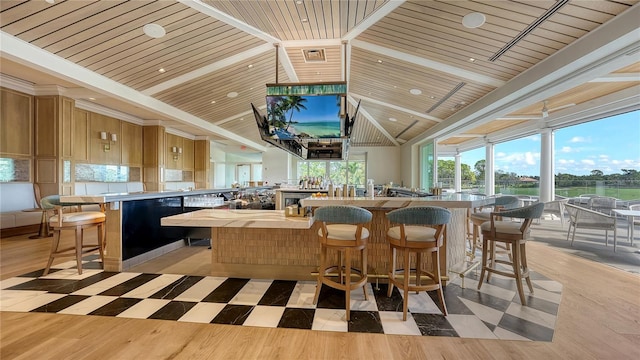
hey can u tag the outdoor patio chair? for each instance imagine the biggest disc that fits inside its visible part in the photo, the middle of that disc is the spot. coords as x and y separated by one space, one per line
602 204
556 207
584 218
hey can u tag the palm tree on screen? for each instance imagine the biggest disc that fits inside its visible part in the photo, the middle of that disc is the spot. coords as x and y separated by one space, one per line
293 103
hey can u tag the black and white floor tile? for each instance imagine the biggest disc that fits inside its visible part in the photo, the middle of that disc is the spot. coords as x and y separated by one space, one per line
494 312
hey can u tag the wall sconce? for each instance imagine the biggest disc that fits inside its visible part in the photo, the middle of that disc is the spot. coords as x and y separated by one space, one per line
111 137
176 151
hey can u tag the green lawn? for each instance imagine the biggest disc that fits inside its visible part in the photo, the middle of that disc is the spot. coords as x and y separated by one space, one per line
618 193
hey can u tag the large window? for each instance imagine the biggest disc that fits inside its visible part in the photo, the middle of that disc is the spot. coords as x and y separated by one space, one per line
352 171
426 165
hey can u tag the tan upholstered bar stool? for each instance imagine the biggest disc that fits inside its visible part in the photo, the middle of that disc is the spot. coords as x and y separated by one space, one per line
77 221
478 218
510 233
342 229
418 230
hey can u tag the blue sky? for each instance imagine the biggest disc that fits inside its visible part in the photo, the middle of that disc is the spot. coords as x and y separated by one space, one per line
608 145
319 108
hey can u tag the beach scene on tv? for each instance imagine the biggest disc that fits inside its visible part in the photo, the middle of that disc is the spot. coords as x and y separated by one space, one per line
303 116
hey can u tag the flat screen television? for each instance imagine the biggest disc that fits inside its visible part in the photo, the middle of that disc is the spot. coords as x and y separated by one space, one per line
305 116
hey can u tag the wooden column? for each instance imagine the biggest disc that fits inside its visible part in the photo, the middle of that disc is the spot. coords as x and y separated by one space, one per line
202 164
53 139
153 162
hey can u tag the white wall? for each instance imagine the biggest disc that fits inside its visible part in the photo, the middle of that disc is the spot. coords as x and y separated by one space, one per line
409 167
275 165
384 163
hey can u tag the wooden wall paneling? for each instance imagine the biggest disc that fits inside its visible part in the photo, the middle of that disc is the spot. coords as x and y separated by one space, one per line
46 175
131 144
153 157
202 163
67 107
104 151
174 161
16 123
46 126
187 154
80 136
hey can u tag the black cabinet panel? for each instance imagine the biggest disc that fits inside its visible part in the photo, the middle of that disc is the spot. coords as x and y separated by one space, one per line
141 230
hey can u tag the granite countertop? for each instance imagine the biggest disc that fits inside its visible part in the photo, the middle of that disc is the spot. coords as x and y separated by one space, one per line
238 218
445 200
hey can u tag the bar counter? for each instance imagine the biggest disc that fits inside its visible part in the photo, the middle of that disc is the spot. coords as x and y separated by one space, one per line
266 244
134 232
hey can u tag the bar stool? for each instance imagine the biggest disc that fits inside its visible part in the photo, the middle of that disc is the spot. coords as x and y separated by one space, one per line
78 221
478 218
510 233
342 229
419 229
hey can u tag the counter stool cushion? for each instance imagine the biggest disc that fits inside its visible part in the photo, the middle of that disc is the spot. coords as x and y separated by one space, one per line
515 235
413 233
78 222
419 229
342 230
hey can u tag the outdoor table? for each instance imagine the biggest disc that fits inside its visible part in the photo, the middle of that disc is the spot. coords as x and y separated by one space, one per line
630 214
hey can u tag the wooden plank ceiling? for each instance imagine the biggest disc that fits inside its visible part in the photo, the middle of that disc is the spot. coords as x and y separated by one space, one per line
413 65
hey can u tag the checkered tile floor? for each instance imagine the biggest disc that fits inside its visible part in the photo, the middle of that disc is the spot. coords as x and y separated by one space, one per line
494 312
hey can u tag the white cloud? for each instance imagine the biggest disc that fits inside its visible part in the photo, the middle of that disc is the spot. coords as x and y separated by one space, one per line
604 157
533 137
566 149
578 139
530 158
588 162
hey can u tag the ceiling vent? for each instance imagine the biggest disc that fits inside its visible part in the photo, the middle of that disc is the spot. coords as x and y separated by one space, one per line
555 8
446 97
314 55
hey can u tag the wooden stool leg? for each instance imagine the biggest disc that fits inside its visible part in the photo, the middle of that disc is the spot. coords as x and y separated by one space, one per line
55 242
525 268
79 234
392 273
492 257
363 253
518 274
407 274
347 268
321 269
436 272
418 269
101 243
484 261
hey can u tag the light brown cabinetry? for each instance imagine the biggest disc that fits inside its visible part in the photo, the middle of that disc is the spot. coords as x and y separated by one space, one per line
80 135
131 144
104 151
16 125
187 154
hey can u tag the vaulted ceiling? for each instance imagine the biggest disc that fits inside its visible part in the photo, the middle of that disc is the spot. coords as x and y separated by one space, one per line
417 70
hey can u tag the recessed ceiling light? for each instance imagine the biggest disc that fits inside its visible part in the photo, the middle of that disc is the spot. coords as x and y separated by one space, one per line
432 97
379 61
317 72
213 101
250 66
299 2
415 91
305 20
154 30
161 70
393 119
473 20
472 59
91 98
395 87
50 1
232 94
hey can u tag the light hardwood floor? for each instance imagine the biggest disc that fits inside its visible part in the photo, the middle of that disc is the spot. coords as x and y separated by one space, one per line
599 318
